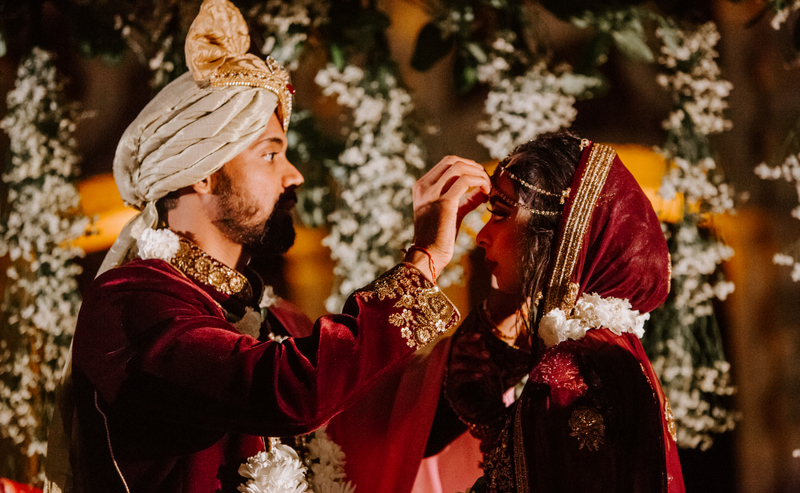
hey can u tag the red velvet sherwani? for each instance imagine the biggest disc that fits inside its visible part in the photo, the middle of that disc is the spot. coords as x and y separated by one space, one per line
167 390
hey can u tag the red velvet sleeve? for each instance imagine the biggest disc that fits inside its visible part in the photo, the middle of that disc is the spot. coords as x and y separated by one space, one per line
153 344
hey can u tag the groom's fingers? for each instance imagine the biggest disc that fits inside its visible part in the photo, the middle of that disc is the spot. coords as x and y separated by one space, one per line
441 177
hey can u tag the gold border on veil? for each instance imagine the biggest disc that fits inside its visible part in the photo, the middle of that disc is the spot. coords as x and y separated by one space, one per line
562 293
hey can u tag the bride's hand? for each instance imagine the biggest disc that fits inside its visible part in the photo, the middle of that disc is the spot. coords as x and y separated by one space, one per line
450 190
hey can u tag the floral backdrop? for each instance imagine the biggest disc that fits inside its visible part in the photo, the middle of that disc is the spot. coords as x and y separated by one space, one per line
358 183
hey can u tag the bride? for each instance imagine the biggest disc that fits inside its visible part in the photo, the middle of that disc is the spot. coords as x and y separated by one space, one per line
578 259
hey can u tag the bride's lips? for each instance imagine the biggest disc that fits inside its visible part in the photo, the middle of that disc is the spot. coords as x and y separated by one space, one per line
491 265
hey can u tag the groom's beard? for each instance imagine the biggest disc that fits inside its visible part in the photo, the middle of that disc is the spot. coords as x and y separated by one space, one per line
274 236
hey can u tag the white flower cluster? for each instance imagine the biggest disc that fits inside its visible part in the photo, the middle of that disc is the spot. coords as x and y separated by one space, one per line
325 461
523 107
693 264
286 26
282 470
278 470
376 172
789 170
591 312
782 15
696 396
699 182
42 299
694 79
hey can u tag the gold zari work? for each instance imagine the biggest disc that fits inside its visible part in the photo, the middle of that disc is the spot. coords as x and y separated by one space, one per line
588 427
499 463
673 430
424 311
560 291
202 267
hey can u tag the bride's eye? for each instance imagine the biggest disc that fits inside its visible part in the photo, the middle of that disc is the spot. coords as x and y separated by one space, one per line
498 214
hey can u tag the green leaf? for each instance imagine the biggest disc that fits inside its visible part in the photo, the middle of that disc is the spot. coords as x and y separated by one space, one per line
432 46
466 75
337 56
632 44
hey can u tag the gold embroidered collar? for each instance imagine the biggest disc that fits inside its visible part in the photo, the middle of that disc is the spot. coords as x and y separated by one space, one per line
202 267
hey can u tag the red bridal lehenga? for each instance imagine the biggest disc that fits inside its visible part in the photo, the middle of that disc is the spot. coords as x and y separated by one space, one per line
592 416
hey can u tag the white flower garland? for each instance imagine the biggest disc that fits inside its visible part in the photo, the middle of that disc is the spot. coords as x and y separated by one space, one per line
41 299
280 469
277 470
373 220
789 171
591 311
688 356
782 15
521 108
158 243
286 26
700 101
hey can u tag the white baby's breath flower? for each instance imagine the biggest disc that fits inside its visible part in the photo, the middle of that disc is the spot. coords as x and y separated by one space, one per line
44 219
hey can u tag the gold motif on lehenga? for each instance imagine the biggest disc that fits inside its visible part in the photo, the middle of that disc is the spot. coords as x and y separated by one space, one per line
673 430
668 416
424 311
588 427
204 268
498 465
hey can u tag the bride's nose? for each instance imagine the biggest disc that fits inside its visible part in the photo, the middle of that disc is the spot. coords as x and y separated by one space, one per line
483 238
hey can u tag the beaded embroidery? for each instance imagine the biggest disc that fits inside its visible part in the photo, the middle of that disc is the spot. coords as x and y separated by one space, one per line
557 369
204 268
588 427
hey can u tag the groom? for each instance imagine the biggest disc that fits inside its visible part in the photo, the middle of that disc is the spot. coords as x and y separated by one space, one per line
177 375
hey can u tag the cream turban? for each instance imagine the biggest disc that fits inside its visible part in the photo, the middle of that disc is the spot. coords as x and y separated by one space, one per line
198 122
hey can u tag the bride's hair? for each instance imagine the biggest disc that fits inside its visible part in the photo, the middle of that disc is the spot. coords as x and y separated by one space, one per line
547 163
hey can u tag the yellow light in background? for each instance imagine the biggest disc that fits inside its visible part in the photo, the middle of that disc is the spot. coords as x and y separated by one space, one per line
648 167
100 199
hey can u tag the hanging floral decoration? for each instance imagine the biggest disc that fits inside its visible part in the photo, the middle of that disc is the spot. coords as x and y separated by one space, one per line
372 221
683 339
40 220
789 171
788 166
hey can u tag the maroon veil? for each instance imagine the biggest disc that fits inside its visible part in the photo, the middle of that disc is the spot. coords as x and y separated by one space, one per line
593 416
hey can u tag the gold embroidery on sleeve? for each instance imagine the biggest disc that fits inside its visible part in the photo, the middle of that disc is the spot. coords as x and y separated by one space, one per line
588 427
424 311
